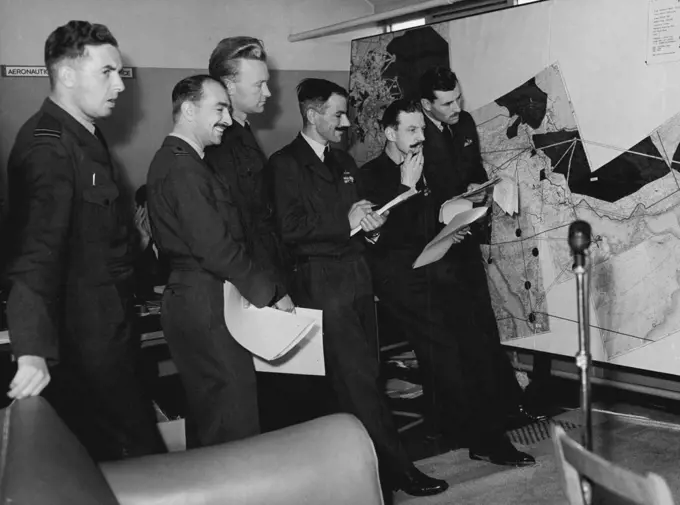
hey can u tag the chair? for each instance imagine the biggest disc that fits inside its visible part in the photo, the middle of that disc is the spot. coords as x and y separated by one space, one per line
579 468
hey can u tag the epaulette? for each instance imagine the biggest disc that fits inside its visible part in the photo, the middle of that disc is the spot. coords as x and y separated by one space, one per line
179 151
48 126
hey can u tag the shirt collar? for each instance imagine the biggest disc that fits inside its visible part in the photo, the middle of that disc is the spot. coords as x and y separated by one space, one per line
193 144
318 147
438 124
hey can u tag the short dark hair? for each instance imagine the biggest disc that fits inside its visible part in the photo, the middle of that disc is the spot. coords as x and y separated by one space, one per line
189 89
314 93
437 79
69 42
224 58
390 117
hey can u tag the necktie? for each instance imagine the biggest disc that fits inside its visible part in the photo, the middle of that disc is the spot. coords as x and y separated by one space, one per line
446 130
331 162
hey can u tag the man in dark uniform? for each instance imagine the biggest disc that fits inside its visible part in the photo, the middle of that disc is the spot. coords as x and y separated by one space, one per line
195 223
239 162
69 263
317 207
438 307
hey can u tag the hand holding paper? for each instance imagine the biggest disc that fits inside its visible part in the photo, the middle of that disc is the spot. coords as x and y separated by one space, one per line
382 210
439 245
477 189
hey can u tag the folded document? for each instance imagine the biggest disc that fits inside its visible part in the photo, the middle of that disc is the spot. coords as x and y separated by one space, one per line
280 342
440 245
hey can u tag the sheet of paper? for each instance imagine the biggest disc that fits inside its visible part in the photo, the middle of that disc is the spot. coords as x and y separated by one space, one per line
506 195
663 31
267 333
306 358
395 201
452 207
482 187
439 245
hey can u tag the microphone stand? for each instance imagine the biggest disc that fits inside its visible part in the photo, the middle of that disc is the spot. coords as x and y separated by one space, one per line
579 241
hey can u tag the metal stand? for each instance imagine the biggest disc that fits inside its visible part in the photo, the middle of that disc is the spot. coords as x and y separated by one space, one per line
579 242
583 357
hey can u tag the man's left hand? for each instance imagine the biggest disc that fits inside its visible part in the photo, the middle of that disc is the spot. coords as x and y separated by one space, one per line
372 221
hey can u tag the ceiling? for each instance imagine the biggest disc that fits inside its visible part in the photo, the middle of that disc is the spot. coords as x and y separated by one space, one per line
388 5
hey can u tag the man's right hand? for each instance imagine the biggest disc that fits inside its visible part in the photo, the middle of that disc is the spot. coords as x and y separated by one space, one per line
285 304
31 378
412 168
459 236
358 211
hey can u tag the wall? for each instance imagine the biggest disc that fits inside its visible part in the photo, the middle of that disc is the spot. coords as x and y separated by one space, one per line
167 40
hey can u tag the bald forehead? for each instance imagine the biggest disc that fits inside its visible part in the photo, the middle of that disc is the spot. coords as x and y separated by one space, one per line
408 120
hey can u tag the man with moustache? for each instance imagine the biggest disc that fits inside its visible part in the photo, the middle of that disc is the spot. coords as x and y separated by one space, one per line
196 226
316 207
428 303
69 265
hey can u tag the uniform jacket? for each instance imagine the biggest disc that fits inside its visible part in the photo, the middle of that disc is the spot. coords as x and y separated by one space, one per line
239 164
67 232
411 224
313 201
196 224
451 164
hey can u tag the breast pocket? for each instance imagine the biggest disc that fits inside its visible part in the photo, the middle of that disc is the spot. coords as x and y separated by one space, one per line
99 218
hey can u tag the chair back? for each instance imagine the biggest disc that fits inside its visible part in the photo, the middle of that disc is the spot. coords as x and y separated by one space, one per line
582 470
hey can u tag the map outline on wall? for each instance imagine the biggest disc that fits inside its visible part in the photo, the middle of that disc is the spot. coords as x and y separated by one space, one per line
632 203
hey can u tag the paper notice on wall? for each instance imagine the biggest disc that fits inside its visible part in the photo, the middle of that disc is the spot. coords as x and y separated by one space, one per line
663 31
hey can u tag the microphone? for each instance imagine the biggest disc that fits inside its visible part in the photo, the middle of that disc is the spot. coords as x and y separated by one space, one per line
579 241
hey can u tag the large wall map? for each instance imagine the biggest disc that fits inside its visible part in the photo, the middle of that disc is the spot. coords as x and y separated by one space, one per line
531 135
632 203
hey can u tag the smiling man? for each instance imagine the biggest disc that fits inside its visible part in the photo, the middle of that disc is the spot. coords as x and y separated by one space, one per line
69 267
196 225
317 207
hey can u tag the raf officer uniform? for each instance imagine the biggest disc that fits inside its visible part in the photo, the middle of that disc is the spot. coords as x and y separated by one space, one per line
239 163
196 225
445 307
69 268
314 192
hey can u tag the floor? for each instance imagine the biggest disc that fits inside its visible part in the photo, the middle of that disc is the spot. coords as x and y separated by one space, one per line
636 443
643 436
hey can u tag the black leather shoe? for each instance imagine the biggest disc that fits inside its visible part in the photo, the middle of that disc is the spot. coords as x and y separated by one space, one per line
502 453
416 483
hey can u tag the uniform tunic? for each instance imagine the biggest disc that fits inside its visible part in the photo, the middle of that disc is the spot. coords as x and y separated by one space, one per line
69 265
444 308
196 225
313 199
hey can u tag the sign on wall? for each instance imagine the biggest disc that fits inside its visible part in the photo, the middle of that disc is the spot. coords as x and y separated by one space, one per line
41 71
